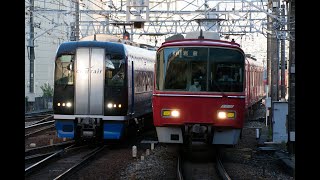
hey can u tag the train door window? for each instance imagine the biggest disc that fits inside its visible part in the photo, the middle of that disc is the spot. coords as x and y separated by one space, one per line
64 70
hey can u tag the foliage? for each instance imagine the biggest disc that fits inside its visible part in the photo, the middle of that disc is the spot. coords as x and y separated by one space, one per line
270 133
47 90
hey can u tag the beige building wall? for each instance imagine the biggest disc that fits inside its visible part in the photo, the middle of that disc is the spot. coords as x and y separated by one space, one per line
51 27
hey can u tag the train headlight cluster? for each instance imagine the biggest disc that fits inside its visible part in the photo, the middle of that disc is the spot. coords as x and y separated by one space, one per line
68 104
113 105
226 114
172 113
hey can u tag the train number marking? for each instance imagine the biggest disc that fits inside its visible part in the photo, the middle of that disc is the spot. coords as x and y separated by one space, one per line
226 106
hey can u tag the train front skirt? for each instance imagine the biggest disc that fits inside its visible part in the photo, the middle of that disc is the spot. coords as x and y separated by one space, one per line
178 135
110 130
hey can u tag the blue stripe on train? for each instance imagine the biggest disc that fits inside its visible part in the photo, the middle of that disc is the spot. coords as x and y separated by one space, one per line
112 130
65 129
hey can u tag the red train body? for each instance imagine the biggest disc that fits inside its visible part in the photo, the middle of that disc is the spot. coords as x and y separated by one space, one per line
227 84
255 83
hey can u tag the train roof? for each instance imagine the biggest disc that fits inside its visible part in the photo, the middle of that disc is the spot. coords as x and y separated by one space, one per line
70 47
113 47
201 42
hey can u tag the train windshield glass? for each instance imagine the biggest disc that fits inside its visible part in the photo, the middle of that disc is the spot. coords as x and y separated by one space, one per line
64 70
115 70
200 69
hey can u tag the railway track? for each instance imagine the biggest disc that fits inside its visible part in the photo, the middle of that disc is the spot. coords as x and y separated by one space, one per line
202 162
38 119
36 154
39 125
62 163
38 113
34 129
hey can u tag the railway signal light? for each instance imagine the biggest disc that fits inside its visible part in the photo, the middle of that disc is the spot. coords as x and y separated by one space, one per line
126 35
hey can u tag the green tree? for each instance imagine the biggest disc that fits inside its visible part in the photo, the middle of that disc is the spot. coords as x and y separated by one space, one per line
47 90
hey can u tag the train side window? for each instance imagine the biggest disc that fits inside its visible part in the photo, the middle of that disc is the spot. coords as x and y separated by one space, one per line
240 75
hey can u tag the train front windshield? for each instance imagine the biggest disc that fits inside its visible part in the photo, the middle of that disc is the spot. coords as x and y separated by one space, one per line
114 74
64 70
115 70
200 69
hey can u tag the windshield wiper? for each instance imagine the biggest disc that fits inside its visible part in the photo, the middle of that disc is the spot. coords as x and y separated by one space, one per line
218 86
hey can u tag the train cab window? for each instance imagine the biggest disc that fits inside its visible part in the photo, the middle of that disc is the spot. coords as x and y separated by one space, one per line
176 80
172 70
216 69
226 70
199 72
64 70
228 77
115 70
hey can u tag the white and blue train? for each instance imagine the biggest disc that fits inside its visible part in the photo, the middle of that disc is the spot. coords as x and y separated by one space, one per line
101 88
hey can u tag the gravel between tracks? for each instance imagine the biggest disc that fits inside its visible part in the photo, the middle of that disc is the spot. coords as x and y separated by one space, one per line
242 162
42 139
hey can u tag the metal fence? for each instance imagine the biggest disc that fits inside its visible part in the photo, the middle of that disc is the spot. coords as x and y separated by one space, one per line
40 104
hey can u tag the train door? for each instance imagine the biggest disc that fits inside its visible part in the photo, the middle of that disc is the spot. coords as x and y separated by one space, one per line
89 81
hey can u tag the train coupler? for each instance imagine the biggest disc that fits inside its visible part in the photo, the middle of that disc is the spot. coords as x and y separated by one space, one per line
198 132
88 126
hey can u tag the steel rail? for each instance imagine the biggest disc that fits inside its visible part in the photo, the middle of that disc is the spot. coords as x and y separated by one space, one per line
179 172
222 172
74 168
39 130
33 167
52 147
39 124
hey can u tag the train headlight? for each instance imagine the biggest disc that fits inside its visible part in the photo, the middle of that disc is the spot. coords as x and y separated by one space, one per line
226 115
109 105
68 104
170 113
175 113
222 115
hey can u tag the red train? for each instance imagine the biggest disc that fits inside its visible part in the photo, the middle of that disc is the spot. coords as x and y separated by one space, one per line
202 90
255 81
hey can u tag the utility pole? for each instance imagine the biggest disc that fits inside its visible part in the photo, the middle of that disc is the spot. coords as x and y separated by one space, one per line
291 67
283 61
75 25
273 59
269 26
274 53
31 49
77 20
